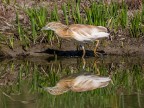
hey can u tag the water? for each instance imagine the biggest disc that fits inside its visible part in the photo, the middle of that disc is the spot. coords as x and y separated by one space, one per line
22 82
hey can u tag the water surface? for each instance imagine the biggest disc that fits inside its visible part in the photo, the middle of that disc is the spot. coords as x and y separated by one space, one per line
22 82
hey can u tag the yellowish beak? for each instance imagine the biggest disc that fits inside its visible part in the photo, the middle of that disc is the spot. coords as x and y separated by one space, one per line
46 28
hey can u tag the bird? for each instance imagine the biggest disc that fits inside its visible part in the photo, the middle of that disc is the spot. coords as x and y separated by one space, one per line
78 83
79 32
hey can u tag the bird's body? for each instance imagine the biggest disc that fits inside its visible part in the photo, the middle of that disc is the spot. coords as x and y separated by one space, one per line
79 32
79 83
87 32
89 82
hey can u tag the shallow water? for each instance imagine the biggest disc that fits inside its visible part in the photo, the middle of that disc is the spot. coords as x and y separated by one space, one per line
22 82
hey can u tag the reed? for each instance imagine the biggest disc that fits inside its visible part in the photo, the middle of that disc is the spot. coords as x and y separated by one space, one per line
11 42
65 12
142 19
76 14
23 37
37 20
54 14
135 26
6 1
97 14
123 17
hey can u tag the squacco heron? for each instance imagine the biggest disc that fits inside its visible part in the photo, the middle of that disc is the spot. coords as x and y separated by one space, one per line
79 83
79 32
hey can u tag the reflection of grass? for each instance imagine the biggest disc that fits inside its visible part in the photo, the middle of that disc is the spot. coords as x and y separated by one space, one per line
31 75
129 79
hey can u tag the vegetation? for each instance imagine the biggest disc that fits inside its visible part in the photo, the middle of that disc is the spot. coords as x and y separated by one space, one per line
114 16
22 81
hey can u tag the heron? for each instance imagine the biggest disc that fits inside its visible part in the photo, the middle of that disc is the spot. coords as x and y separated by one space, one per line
79 32
79 83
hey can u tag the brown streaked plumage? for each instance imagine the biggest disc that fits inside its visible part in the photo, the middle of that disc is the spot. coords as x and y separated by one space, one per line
79 83
79 32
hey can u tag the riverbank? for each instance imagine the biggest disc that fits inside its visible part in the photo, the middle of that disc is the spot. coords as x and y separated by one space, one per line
21 21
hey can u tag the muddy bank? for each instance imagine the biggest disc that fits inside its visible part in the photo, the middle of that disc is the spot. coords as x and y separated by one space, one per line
120 45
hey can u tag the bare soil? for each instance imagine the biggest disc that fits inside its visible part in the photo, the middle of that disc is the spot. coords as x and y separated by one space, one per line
118 46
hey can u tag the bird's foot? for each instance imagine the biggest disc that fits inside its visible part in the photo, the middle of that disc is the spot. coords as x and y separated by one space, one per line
96 54
83 51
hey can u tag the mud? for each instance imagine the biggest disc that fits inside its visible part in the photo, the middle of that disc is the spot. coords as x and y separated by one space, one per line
118 46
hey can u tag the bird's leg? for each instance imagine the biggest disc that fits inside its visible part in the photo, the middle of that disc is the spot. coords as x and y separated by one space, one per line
84 63
97 69
95 53
83 51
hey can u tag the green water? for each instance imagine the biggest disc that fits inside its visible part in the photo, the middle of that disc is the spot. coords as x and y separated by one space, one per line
22 82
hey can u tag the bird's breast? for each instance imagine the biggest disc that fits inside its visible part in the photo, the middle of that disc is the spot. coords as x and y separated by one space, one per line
64 34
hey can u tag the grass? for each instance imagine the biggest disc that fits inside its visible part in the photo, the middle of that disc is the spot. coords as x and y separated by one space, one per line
7 40
113 16
54 14
96 14
64 9
135 27
37 19
24 39
123 19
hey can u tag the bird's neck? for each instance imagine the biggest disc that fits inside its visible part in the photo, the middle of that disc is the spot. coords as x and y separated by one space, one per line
64 32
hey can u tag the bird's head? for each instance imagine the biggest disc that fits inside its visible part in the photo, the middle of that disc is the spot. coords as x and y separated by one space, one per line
54 26
55 90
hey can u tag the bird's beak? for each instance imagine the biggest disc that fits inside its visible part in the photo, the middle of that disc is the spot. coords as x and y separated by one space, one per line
46 88
45 28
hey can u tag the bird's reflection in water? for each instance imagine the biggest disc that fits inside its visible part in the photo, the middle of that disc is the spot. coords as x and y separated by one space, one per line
79 83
